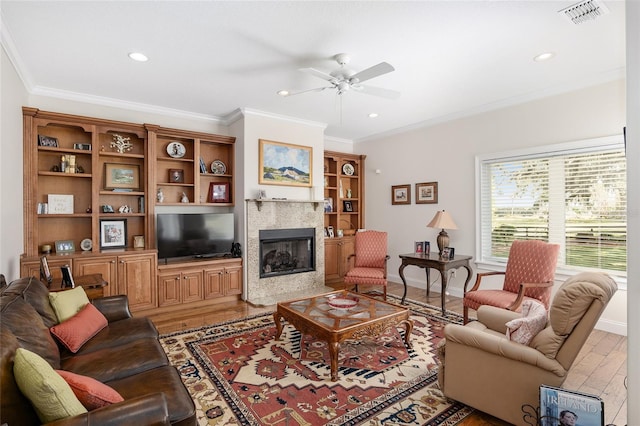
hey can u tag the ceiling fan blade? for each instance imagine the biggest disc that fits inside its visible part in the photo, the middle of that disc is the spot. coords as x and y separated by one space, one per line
319 74
317 89
377 91
372 72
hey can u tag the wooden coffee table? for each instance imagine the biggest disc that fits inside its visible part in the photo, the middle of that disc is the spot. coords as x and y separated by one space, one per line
314 316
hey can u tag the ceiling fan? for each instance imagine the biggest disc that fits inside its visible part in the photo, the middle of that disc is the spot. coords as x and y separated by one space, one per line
344 79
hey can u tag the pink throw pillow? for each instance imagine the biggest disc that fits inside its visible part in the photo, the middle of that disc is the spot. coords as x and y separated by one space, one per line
533 321
77 330
90 392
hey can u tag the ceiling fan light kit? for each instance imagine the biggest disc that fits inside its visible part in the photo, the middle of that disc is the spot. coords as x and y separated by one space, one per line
344 79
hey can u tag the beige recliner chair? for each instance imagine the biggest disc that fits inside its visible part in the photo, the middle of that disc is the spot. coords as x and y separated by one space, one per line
480 367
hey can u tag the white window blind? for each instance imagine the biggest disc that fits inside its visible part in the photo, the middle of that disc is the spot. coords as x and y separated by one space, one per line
573 195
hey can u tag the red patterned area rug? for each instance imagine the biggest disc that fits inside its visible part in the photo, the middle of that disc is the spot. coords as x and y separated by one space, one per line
238 374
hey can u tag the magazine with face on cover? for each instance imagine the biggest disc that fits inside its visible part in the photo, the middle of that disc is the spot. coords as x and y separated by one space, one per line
562 407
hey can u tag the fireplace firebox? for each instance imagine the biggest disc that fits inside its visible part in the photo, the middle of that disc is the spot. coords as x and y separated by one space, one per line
286 251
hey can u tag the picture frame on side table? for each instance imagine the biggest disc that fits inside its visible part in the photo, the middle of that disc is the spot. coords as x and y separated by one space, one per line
427 193
419 247
401 194
219 192
45 272
121 176
113 233
284 164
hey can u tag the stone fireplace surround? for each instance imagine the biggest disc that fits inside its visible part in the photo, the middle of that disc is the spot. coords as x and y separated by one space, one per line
283 214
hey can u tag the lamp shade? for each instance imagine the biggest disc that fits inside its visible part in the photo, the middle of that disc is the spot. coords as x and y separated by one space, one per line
442 220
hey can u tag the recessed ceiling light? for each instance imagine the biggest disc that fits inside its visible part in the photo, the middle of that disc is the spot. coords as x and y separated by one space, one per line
373 115
283 92
544 56
137 56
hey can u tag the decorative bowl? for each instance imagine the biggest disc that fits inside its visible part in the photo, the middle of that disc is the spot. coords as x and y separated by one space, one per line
340 302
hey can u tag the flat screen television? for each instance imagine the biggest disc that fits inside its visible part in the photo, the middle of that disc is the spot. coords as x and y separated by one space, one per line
193 235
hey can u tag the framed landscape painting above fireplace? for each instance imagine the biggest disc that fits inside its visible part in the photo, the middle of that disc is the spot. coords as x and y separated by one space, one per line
284 164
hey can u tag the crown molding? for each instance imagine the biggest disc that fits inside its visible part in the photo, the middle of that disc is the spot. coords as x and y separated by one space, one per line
243 112
12 52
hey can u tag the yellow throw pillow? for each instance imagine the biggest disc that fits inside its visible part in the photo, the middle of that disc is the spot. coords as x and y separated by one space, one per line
67 303
49 393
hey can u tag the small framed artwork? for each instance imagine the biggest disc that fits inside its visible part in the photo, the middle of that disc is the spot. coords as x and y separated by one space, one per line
427 193
419 247
49 141
219 192
347 206
138 241
176 175
82 146
45 273
427 248
326 233
113 233
330 231
284 164
60 203
121 176
65 246
401 194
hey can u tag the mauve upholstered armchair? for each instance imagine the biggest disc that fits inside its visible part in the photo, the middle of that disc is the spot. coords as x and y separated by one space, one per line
530 272
369 261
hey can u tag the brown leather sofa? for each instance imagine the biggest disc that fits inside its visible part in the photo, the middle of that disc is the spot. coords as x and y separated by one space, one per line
126 355
483 369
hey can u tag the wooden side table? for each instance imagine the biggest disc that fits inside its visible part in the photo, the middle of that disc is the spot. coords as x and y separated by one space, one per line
93 285
433 260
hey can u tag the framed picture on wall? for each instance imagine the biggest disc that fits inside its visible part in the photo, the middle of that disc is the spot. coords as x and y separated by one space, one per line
401 194
284 164
427 193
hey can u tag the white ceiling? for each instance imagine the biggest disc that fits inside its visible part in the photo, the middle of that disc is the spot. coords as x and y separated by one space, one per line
209 58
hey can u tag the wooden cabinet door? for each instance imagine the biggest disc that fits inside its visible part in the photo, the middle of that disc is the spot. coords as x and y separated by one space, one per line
331 263
169 285
213 282
233 280
137 279
347 248
191 286
104 265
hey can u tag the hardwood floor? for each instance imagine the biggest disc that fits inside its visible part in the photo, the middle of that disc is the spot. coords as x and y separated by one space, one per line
600 368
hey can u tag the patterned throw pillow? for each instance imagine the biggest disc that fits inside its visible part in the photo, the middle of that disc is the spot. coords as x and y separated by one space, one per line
532 322
77 330
49 394
91 393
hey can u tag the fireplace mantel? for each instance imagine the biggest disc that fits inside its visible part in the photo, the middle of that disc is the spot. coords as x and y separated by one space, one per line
259 201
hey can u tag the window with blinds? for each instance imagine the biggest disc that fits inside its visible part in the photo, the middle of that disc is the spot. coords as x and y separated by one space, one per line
572 194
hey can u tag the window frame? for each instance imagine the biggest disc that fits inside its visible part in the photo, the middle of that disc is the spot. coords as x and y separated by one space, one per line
542 151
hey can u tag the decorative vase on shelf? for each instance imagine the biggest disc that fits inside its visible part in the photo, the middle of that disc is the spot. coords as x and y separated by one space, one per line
160 195
348 192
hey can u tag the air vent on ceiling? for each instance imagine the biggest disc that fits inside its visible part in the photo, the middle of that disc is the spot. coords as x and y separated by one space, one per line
584 11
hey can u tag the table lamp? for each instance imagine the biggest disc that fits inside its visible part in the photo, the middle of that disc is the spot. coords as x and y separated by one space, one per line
442 220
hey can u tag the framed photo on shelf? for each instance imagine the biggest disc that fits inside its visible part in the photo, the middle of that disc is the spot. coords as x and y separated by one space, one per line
401 194
330 231
347 206
176 175
60 203
113 233
65 246
45 273
427 193
122 176
47 141
219 192
284 164
328 205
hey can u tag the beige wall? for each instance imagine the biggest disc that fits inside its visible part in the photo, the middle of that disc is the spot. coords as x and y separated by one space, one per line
13 96
446 152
